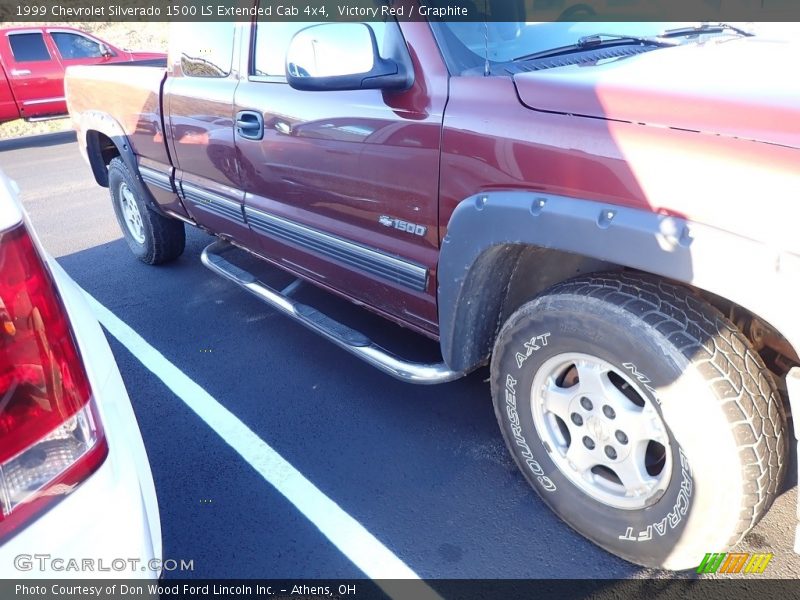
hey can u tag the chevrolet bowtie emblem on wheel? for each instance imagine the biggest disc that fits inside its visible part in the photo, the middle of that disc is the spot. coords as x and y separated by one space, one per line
734 562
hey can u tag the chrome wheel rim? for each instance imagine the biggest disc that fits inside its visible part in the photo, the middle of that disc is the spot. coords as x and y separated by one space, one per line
602 432
130 213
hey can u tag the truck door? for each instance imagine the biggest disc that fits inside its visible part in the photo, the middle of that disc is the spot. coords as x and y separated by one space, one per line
342 187
36 77
198 103
8 104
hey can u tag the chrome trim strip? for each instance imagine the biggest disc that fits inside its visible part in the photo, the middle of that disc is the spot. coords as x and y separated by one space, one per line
156 178
23 31
213 203
349 339
72 31
159 184
218 210
43 101
354 255
172 213
49 118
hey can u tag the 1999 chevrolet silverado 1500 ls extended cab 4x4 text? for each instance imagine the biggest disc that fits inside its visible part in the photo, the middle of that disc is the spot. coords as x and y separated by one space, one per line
609 223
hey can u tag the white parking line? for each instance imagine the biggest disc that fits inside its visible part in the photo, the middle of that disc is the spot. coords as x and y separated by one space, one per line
347 534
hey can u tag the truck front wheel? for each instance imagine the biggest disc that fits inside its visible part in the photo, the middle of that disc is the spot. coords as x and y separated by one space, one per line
154 239
641 416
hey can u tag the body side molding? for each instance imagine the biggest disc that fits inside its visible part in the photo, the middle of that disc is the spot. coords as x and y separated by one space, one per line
156 178
216 204
355 256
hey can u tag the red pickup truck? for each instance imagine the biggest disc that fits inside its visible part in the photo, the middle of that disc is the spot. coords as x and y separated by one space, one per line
608 220
32 65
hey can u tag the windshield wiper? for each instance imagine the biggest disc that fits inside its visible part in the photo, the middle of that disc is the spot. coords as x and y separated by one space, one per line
598 40
705 28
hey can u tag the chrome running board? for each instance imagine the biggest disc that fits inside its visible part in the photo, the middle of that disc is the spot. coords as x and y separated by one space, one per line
353 341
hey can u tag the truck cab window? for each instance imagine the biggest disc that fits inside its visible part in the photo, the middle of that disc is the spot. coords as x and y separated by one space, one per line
72 45
206 49
28 47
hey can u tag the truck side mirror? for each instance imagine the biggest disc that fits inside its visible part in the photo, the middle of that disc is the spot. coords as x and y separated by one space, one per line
342 56
105 51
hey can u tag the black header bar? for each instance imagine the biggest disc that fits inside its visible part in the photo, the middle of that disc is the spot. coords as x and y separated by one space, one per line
740 588
67 11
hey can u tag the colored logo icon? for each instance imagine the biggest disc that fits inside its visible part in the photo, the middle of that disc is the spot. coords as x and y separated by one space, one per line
734 562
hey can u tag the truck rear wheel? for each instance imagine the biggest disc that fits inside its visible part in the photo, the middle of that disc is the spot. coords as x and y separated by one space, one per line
154 239
641 416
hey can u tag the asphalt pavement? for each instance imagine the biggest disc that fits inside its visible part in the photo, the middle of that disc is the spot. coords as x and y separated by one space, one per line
423 469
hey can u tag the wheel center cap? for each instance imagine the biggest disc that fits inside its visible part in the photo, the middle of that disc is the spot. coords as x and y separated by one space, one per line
598 429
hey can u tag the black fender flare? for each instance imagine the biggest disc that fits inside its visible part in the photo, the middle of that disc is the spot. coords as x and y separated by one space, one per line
91 123
752 273
483 228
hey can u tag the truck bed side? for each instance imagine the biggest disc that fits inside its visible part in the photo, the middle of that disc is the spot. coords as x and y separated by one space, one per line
129 125
131 114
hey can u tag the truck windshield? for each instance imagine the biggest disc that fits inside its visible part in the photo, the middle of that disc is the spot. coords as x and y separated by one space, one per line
467 45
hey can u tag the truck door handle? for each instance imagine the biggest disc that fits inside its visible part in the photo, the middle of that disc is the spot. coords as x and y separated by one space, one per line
250 125
18 72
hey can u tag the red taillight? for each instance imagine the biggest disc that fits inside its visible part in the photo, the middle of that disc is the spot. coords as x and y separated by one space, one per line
50 435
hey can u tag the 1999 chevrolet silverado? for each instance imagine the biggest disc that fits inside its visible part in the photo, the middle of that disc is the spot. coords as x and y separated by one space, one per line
605 216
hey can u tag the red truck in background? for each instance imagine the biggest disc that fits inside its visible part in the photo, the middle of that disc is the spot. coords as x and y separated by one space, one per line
33 61
607 218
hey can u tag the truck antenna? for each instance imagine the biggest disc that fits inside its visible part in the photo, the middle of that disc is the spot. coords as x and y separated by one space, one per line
487 69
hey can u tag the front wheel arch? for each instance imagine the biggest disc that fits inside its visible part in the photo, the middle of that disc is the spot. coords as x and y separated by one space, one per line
499 281
503 247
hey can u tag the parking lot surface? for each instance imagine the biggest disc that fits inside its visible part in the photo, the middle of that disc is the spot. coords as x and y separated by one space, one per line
423 470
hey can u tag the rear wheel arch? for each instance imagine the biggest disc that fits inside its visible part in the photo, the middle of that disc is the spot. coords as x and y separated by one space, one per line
101 150
106 140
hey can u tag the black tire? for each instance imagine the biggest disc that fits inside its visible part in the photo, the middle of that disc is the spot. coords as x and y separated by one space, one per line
162 239
721 410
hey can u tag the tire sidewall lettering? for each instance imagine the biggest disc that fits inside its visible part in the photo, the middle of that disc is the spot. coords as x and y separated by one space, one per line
530 346
516 430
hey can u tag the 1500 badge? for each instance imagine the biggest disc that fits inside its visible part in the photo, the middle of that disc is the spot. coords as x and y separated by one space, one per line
400 225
